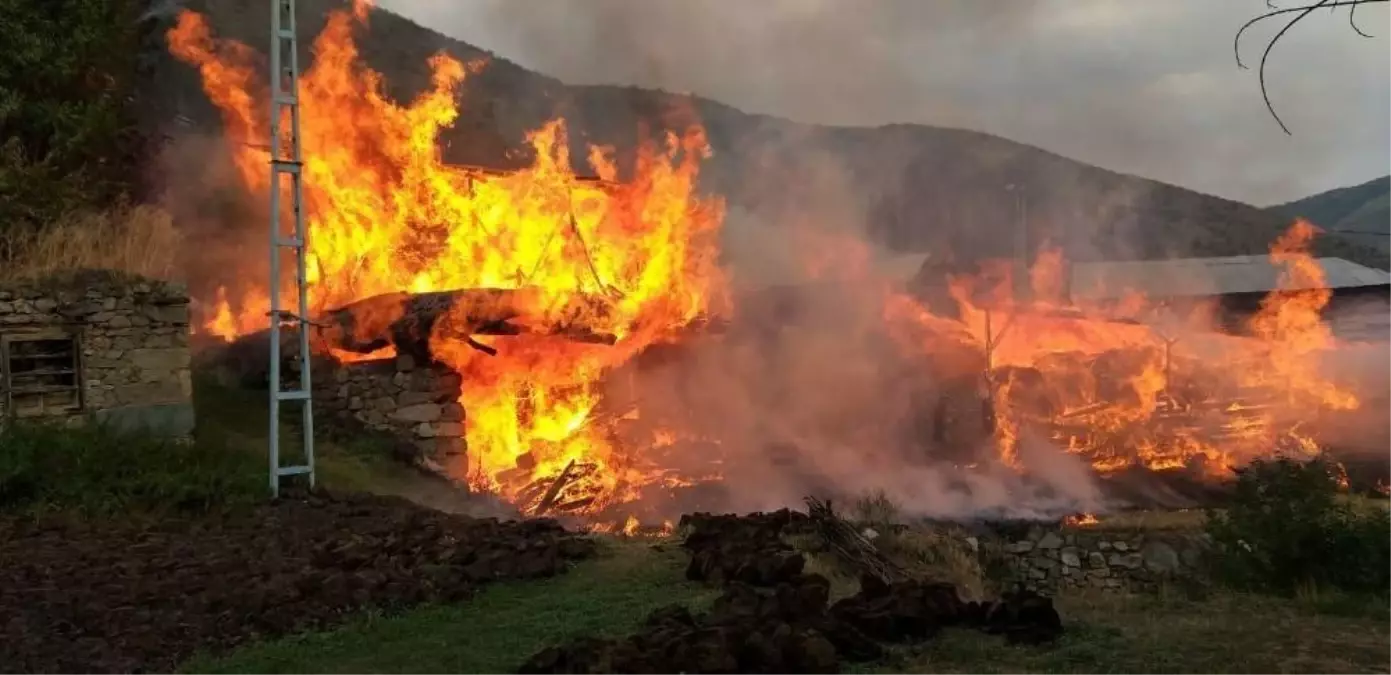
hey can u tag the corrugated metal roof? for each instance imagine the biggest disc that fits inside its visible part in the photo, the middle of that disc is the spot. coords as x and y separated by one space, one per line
1196 277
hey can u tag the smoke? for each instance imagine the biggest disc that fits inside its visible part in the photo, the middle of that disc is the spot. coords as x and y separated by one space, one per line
1148 88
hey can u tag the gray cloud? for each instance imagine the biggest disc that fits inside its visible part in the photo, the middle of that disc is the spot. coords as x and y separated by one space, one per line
1141 86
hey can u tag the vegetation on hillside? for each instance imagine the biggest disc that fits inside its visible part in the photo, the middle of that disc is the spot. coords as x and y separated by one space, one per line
1359 213
69 138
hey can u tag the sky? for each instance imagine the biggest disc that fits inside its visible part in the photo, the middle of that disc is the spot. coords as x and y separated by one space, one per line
1148 87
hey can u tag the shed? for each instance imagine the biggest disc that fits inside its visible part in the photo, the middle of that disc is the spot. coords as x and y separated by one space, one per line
96 345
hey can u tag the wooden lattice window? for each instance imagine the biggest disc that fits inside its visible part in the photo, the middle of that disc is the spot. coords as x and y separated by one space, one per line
41 374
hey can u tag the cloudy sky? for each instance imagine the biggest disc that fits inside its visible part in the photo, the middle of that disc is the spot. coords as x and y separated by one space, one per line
1142 86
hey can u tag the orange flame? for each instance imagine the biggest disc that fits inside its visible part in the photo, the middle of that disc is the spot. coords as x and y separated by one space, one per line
385 214
1120 393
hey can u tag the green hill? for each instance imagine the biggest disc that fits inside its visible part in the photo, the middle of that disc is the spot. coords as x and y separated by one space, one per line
1360 213
913 187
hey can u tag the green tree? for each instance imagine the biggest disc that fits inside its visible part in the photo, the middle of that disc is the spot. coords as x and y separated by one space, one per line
68 133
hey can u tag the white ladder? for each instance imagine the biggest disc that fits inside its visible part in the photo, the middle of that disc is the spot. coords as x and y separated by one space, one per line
285 164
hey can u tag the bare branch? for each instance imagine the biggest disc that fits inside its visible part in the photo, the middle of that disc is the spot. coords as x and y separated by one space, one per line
1300 12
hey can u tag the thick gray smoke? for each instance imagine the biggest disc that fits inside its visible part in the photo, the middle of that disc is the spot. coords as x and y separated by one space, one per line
1142 87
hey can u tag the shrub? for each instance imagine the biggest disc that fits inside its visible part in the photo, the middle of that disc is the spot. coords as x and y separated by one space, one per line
69 138
97 470
1288 527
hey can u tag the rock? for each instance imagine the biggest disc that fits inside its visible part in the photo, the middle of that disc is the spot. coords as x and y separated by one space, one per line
159 359
1159 557
422 412
409 398
1050 540
1191 557
1121 546
1070 558
1096 560
1020 546
1104 546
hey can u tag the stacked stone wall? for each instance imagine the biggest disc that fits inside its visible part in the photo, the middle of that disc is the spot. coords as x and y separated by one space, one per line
415 404
132 362
1123 560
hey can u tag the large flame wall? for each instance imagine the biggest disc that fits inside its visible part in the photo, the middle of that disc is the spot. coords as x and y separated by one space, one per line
385 215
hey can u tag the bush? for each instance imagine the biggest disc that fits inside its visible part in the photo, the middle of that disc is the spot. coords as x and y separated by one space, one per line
69 137
100 471
1289 528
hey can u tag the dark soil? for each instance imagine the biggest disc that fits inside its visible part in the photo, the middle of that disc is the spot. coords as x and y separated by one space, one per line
108 597
773 618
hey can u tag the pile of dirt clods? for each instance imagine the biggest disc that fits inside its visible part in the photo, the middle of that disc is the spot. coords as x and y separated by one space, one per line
775 618
126 597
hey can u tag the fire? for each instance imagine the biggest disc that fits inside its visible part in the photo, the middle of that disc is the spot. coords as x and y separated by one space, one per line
1082 520
385 215
1124 386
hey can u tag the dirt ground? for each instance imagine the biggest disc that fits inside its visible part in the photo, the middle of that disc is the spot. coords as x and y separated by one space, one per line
111 596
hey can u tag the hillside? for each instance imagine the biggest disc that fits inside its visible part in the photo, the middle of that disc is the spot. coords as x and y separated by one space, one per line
1360 213
913 187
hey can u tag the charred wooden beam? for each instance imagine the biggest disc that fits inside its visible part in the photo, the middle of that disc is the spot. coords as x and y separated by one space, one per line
408 321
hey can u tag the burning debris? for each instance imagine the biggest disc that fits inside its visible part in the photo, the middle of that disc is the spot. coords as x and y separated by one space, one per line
408 322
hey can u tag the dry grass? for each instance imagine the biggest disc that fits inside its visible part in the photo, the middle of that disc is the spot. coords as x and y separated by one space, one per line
925 550
137 239
1151 519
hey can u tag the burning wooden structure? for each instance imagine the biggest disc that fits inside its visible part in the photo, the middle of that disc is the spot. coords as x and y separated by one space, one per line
1169 381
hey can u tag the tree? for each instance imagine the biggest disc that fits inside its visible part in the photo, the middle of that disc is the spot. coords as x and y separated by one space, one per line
1300 13
68 133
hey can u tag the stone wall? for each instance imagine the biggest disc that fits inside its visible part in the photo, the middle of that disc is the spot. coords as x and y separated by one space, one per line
417 405
131 362
1051 559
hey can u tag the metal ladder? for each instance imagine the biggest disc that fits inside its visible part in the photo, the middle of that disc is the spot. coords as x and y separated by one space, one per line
285 164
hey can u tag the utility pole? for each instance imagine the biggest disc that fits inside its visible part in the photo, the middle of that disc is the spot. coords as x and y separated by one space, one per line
286 163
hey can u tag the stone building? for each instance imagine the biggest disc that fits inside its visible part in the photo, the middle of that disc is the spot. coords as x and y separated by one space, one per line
96 345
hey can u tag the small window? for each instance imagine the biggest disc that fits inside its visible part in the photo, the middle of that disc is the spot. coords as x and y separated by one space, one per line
41 375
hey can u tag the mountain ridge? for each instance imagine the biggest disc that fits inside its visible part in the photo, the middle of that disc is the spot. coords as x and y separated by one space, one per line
1358 213
910 187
